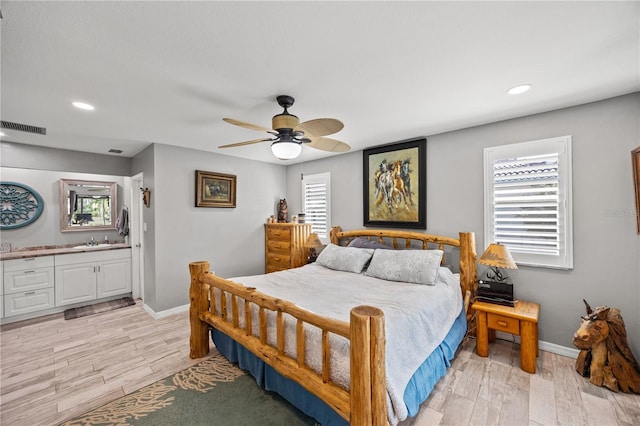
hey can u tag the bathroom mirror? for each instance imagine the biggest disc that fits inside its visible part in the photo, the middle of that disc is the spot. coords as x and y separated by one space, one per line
87 205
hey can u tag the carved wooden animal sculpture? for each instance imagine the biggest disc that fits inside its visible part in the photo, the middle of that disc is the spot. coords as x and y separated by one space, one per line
283 211
605 355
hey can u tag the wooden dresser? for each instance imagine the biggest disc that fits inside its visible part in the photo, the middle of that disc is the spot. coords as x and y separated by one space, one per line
284 245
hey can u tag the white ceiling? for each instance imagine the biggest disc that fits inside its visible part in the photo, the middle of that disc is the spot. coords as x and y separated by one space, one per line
168 72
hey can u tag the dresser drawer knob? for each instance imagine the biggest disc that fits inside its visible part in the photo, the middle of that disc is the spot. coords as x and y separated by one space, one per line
502 323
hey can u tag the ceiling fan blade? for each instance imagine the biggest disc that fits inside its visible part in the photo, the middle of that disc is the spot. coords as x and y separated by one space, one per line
247 125
320 126
245 143
328 144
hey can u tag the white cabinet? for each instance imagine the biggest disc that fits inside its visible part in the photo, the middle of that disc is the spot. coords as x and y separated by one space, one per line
28 285
81 277
75 283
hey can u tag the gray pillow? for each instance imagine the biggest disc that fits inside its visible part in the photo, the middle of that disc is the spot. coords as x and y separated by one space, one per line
348 259
364 242
410 266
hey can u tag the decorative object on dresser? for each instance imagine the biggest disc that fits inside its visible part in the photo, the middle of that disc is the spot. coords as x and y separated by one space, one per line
520 320
495 286
215 189
605 356
635 162
395 181
285 245
283 211
21 205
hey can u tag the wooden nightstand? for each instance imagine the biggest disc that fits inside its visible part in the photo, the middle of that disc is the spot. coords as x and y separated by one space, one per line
520 320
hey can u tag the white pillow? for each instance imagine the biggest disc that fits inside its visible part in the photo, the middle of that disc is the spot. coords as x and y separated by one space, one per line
409 266
348 259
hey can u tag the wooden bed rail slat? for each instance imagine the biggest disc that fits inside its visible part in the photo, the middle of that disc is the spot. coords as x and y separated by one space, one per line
248 325
280 332
300 344
262 319
326 357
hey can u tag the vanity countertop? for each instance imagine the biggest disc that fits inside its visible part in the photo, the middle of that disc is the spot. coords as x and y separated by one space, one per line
63 249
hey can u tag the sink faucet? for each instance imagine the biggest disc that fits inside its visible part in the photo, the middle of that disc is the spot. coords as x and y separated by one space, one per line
92 242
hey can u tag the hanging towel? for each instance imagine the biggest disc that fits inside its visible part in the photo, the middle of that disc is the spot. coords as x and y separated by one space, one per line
122 223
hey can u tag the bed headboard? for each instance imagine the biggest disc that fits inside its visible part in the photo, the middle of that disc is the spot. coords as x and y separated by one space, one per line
466 244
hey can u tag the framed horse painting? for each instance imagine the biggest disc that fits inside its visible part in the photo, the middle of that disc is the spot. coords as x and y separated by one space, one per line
395 181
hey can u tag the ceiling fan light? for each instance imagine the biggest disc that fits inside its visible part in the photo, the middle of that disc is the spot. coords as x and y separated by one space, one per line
286 150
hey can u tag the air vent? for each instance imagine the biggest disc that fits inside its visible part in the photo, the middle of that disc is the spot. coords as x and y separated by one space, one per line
23 128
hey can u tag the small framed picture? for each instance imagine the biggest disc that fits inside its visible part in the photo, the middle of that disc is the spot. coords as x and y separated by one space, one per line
215 189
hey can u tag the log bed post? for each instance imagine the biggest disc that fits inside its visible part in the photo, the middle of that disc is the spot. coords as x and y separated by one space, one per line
368 373
468 266
199 339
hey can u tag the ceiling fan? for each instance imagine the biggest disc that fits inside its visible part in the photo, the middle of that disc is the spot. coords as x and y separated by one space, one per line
289 134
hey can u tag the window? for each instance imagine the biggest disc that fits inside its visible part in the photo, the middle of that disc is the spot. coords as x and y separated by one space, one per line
528 201
316 193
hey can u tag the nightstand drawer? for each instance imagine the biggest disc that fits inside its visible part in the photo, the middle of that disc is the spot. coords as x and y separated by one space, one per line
502 323
279 260
277 246
279 233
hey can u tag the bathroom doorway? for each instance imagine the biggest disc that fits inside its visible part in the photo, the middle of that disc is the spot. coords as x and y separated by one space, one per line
136 237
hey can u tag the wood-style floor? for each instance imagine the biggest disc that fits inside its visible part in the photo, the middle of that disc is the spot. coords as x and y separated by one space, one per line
54 370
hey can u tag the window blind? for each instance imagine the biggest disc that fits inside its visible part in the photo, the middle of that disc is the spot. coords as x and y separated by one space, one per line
526 204
316 194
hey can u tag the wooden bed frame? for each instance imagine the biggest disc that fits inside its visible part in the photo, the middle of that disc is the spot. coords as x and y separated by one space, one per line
365 403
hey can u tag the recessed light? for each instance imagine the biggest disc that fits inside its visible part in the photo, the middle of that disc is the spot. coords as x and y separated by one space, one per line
519 89
2 134
84 106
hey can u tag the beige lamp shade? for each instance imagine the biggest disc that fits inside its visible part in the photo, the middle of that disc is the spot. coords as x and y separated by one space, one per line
313 241
498 256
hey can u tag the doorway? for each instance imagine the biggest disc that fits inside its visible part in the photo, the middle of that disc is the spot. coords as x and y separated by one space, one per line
136 237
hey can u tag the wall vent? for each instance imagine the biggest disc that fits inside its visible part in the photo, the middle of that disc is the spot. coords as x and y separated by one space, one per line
23 127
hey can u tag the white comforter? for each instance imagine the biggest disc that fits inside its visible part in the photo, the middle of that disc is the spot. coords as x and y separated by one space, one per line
417 318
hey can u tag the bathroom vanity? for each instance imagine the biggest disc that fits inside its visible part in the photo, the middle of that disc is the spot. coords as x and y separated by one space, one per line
47 280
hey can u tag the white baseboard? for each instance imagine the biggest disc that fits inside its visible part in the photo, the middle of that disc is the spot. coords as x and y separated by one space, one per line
543 346
168 312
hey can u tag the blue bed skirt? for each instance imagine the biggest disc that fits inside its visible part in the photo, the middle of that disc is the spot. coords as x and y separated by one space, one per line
417 391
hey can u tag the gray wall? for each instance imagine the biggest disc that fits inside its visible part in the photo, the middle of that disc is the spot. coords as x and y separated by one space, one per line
231 239
64 160
606 248
41 169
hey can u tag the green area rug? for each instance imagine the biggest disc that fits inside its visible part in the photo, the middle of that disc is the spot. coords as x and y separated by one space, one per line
213 392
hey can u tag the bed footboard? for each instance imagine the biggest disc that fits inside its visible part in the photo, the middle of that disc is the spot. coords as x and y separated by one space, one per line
363 404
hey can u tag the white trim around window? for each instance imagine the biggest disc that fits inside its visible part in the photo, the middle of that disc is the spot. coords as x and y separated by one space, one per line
528 203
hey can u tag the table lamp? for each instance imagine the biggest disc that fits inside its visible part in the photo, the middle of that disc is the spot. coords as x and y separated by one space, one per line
497 256
313 244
